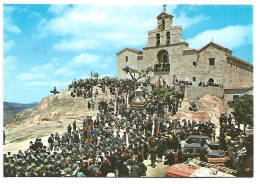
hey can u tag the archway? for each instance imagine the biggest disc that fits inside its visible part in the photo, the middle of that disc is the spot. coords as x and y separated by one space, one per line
163 57
211 82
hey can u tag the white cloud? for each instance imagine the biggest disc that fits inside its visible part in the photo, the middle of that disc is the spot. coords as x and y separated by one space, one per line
186 22
48 68
30 76
8 23
83 59
38 83
103 66
105 75
64 72
57 8
111 59
9 63
50 83
230 37
116 26
76 45
8 45
54 59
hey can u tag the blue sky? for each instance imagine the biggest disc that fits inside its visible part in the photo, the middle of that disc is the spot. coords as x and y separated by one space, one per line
47 45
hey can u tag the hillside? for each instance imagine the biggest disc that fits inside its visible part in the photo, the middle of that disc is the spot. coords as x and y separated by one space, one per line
53 114
10 109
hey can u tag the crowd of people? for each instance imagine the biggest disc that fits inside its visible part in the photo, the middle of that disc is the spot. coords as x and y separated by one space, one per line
207 84
237 145
117 141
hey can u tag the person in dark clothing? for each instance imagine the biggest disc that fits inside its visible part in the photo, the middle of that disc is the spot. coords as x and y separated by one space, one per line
104 169
143 168
153 153
69 130
51 141
146 150
124 172
135 171
4 137
203 153
76 138
180 156
160 152
171 158
74 125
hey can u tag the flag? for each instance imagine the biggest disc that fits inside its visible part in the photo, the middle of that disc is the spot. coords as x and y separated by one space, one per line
126 137
153 127
158 127
88 132
115 104
127 99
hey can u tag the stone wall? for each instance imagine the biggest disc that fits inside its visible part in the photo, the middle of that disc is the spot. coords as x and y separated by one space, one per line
132 62
229 93
226 70
196 92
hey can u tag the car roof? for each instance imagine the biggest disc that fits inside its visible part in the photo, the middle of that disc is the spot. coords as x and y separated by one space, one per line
194 145
197 137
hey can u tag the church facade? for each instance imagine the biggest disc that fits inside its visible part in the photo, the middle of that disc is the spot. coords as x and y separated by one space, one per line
172 58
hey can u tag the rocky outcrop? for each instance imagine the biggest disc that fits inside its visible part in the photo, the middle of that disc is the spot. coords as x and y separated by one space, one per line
54 111
209 106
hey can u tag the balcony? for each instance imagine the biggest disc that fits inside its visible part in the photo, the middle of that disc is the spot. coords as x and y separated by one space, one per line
162 69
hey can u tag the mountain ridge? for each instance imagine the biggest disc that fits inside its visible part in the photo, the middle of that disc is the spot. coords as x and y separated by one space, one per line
11 109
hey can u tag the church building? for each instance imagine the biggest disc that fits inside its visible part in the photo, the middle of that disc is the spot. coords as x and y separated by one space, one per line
172 58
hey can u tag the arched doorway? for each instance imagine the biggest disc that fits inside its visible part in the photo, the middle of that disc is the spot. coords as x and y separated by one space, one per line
211 82
163 57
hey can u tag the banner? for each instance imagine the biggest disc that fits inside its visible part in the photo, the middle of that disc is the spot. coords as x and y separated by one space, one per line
88 137
153 127
127 139
158 127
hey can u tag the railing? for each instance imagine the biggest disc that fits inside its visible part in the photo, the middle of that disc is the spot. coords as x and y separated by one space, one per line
162 69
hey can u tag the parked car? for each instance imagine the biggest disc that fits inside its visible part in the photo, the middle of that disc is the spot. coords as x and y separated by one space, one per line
201 139
193 151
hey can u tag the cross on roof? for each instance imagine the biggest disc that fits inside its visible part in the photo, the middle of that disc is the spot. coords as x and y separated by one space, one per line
164 7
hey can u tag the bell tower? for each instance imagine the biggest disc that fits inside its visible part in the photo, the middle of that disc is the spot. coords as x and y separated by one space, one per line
164 34
164 20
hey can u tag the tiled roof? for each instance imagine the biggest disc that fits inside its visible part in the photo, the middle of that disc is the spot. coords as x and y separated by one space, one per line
237 59
218 45
240 85
164 13
130 49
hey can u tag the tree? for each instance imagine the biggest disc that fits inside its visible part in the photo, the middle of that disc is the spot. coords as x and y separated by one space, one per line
106 78
95 75
161 92
243 110
141 73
